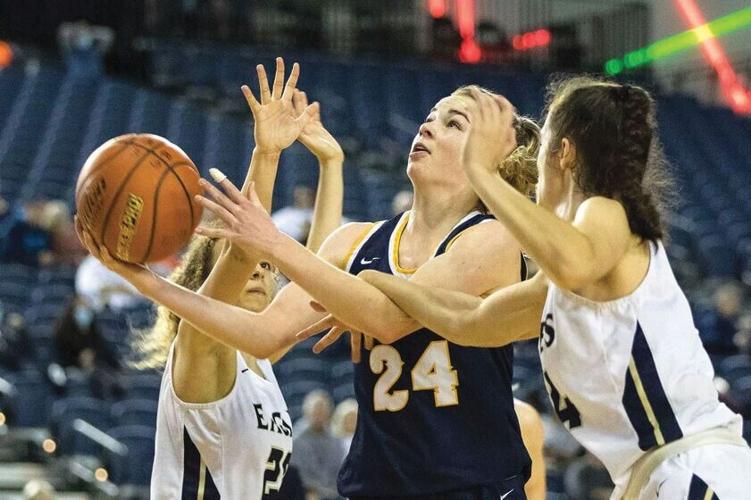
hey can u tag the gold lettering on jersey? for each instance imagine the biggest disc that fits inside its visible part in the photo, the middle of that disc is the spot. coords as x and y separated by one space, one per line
92 202
128 223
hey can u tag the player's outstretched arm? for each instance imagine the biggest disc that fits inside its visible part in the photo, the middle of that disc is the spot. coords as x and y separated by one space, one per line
506 315
276 127
327 215
572 251
484 258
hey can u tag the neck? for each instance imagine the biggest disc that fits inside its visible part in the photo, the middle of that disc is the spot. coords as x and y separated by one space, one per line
570 201
434 213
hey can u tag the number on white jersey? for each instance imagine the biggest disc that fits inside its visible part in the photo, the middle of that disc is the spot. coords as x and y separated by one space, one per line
276 468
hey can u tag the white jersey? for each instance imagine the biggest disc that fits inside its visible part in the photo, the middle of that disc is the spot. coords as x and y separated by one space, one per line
629 374
235 448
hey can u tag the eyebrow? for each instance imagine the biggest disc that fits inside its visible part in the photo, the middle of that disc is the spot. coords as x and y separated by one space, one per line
453 111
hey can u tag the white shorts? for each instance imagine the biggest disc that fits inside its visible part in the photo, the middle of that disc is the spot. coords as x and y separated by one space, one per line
722 468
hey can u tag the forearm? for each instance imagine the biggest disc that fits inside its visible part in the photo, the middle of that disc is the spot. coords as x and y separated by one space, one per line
326 283
262 171
225 323
509 314
233 268
553 243
327 215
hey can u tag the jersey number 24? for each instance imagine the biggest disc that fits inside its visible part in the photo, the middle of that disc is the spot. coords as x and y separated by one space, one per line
433 371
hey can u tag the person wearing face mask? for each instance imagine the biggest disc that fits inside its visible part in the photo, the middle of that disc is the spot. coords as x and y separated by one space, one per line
79 351
436 419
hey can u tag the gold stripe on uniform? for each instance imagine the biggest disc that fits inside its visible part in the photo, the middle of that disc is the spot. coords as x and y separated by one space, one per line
352 249
645 402
709 494
395 255
201 481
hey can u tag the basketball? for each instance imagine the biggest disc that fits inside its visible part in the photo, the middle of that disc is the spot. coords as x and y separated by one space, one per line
135 196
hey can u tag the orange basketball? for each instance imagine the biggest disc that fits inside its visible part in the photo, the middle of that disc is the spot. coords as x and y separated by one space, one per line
134 195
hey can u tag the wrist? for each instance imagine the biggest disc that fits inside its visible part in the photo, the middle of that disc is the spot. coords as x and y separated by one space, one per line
263 150
149 284
333 163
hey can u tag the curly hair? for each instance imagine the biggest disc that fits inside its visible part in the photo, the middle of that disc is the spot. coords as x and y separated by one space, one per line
520 168
618 155
151 346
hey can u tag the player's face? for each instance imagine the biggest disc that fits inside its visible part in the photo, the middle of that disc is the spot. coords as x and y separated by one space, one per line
436 151
260 289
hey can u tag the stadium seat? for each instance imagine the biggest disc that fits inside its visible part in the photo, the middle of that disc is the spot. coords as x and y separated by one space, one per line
135 412
135 467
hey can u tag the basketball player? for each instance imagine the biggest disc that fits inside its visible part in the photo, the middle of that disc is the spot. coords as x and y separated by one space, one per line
223 427
436 419
622 360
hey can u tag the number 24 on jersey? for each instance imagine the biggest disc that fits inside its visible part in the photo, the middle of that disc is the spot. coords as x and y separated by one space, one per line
433 371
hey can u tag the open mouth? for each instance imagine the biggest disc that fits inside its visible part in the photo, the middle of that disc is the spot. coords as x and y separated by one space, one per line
419 148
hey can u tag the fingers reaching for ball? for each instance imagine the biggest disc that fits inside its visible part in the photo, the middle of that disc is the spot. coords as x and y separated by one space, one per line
245 222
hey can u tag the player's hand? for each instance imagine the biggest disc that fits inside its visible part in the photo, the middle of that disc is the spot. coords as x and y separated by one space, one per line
491 135
138 275
314 135
246 223
277 123
335 330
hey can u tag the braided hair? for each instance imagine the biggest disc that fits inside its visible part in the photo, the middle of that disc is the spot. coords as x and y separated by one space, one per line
617 150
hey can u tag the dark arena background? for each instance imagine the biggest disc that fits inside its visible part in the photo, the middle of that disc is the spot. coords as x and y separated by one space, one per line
77 421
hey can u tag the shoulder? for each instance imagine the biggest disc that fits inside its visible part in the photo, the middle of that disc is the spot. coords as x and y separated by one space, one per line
341 242
486 237
602 210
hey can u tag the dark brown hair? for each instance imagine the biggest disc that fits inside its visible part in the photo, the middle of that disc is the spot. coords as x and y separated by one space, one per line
614 131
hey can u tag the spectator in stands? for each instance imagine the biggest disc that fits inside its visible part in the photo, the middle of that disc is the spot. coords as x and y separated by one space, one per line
720 325
83 46
344 421
402 202
38 489
23 238
80 350
100 287
318 454
14 341
295 220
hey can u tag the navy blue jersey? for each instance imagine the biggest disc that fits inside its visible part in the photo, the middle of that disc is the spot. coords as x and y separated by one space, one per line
434 416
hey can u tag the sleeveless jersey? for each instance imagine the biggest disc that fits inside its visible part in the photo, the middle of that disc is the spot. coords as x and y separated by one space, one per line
629 374
235 448
434 416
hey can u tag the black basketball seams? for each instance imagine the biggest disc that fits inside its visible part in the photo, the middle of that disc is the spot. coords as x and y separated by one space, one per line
153 214
172 167
98 167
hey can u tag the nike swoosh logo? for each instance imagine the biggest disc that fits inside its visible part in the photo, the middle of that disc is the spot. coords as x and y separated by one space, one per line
507 493
365 262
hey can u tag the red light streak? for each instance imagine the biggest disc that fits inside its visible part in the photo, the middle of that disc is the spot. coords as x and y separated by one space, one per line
737 96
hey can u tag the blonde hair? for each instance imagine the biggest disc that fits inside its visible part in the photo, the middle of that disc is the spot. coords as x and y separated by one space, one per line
520 167
151 346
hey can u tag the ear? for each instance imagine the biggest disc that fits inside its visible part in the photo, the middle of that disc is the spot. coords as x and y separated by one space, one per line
567 154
